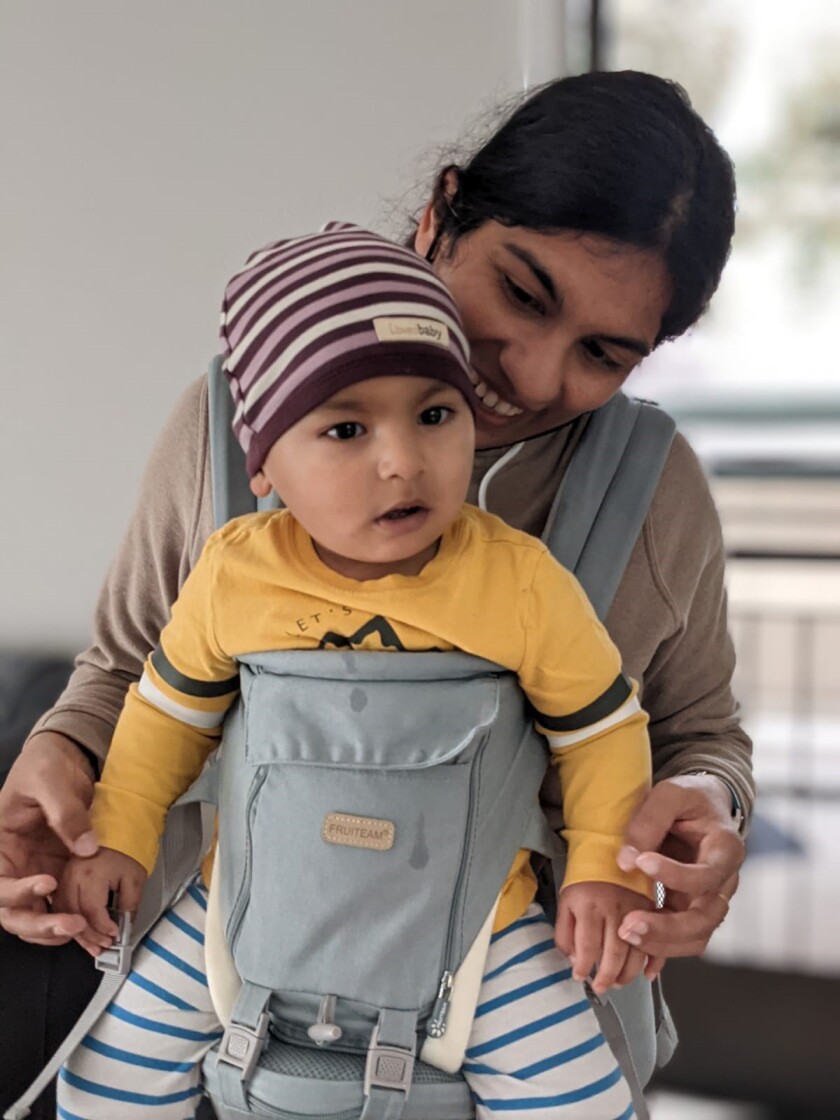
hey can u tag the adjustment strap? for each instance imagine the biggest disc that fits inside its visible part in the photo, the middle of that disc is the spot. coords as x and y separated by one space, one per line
110 984
612 1029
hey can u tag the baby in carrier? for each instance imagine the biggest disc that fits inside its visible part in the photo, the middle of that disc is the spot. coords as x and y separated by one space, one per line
351 379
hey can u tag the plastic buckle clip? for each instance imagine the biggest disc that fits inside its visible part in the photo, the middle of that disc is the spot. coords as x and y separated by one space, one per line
241 1046
388 1067
117 959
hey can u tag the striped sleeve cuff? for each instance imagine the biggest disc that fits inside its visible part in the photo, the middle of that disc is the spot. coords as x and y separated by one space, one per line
198 703
617 704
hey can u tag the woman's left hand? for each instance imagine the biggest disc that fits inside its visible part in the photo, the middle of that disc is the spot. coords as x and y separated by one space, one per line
683 836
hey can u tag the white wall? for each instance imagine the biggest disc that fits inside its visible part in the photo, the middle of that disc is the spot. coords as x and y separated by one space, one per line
146 149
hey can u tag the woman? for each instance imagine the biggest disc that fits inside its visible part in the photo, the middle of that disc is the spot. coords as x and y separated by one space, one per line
593 225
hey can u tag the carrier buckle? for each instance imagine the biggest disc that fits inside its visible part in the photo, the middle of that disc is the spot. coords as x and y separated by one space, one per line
117 959
241 1046
388 1067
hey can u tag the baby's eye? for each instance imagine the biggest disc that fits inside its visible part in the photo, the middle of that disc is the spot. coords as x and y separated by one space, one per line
347 429
436 414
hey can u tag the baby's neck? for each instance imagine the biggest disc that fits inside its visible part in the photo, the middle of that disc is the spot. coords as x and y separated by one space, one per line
364 570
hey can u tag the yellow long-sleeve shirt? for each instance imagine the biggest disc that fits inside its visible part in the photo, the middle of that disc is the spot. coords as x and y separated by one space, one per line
490 590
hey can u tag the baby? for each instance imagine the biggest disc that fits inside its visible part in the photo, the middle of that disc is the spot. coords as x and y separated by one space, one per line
350 372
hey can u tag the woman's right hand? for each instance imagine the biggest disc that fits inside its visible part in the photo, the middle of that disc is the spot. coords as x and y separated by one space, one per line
44 817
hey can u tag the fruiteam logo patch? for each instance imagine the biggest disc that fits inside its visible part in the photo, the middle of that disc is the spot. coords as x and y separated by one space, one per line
358 832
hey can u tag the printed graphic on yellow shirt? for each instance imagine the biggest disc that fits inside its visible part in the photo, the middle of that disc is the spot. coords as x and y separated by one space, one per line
375 634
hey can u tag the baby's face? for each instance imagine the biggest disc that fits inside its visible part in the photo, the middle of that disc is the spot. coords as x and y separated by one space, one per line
376 473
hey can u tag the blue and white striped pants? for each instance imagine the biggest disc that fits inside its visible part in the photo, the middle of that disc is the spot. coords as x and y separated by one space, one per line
535 1049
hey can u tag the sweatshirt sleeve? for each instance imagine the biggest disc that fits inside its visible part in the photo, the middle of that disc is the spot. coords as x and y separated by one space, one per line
170 522
590 714
678 570
170 723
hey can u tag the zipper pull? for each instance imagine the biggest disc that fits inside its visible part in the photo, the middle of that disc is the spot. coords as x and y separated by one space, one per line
440 1012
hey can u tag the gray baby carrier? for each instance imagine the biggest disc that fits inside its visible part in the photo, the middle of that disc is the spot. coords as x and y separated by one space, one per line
371 809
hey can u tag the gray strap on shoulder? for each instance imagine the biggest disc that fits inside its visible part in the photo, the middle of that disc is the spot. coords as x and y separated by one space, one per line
232 495
228 478
606 492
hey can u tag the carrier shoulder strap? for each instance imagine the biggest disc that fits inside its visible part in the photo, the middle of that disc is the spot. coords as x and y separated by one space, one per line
232 495
606 493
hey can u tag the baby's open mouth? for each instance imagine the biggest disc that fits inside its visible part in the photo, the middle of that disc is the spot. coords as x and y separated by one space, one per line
398 513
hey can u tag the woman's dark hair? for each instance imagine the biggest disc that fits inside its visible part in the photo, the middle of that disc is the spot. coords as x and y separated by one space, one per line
620 154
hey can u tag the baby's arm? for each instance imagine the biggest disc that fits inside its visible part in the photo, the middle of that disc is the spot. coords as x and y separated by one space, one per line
602 779
170 723
596 730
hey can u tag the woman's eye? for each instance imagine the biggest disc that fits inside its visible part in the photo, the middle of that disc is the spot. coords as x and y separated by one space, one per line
348 429
596 351
435 415
523 297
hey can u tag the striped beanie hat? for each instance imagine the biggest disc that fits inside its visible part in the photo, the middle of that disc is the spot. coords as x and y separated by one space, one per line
309 316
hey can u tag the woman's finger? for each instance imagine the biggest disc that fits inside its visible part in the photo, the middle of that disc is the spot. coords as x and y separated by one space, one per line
653 967
66 812
26 893
652 820
718 860
41 928
682 934
633 966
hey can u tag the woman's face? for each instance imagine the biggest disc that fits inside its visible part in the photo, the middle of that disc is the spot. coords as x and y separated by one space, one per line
556 321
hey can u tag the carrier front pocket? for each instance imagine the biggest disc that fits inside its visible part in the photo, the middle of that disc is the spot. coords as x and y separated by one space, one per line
358 828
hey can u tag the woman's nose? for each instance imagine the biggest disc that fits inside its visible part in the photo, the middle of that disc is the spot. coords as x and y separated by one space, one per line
536 375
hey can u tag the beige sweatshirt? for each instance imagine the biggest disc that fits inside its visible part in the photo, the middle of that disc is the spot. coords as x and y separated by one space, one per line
668 618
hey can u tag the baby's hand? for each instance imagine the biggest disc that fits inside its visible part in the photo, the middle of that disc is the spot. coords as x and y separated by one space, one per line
588 918
84 889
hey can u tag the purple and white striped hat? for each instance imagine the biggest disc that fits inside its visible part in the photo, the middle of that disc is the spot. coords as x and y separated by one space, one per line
309 316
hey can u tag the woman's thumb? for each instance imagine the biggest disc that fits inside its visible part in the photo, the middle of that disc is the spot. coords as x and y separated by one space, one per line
69 818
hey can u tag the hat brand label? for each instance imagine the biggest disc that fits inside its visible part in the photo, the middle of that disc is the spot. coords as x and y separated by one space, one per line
404 329
358 832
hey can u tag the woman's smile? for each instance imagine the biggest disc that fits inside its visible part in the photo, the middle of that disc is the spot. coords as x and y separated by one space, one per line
489 401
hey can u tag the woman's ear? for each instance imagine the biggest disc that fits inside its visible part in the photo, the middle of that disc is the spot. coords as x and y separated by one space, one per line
260 486
427 227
